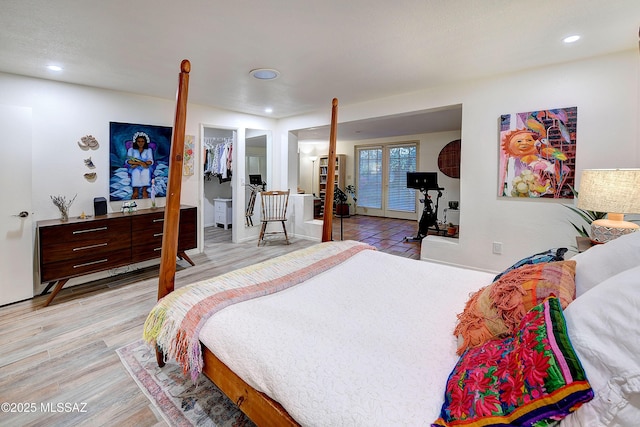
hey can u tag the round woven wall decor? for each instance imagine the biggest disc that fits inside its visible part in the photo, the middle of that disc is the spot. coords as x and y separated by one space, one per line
449 159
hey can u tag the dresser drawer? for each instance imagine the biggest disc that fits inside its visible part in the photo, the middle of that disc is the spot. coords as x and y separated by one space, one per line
146 236
89 263
90 245
81 240
149 248
147 231
146 227
147 221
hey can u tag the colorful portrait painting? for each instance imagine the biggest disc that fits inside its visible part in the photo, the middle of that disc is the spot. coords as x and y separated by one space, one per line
139 161
537 154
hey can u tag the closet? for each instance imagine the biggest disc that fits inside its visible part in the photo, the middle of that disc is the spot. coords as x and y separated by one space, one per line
218 145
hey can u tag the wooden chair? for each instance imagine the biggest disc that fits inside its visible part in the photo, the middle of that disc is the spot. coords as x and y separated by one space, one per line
274 209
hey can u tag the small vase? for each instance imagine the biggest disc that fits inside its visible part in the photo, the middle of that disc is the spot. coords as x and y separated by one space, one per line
64 215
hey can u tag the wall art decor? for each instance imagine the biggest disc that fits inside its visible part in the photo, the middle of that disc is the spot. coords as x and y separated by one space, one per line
537 154
139 156
88 142
187 163
449 159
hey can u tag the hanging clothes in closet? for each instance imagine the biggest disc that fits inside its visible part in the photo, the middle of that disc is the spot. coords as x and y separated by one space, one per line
218 157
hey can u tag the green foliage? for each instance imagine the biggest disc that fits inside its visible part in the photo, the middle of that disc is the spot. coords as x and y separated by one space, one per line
587 216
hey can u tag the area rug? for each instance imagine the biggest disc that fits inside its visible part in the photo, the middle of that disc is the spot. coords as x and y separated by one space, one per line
177 398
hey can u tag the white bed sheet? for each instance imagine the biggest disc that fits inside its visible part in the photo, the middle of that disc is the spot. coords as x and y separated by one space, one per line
367 343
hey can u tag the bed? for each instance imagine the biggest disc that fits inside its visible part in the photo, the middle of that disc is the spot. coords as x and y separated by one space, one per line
369 340
341 334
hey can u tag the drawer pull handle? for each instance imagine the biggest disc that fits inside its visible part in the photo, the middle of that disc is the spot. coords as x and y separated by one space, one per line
157 235
90 247
90 230
158 220
90 263
157 249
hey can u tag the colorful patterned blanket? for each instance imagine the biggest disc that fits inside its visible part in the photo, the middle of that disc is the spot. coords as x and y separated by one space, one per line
174 323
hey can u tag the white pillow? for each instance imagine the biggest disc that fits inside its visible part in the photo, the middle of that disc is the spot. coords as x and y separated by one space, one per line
600 262
604 329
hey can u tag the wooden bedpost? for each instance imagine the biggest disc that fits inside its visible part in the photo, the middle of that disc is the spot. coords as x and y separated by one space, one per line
172 210
327 224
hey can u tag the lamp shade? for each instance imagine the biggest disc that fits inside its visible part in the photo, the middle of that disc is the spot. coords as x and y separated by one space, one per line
610 190
615 191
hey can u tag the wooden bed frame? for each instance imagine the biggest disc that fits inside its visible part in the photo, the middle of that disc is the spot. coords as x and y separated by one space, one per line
260 408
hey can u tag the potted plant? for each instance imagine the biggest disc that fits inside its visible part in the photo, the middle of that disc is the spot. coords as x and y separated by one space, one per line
340 202
451 229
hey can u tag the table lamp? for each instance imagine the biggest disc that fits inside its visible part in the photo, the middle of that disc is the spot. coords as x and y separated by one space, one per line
615 191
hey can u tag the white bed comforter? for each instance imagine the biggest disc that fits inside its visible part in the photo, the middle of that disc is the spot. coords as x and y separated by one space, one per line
367 343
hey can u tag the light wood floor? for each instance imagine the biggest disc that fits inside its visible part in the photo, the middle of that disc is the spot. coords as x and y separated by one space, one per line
65 353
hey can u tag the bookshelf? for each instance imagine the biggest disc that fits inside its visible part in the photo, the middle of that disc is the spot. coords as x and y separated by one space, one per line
340 173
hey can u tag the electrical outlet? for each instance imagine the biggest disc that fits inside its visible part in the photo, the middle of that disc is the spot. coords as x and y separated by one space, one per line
497 248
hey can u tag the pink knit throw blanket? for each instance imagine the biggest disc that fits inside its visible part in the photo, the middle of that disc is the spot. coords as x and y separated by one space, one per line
174 323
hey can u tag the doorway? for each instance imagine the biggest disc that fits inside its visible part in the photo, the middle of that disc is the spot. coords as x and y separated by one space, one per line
381 173
217 202
16 227
255 177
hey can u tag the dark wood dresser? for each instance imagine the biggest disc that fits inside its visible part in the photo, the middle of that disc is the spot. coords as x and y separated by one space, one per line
82 246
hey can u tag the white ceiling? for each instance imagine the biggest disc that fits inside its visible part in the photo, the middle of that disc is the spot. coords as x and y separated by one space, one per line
435 120
355 50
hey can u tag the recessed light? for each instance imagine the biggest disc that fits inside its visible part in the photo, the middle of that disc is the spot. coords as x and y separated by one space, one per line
264 73
54 67
571 39
268 110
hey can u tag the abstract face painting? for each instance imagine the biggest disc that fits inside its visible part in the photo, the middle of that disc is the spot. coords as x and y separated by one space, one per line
537 154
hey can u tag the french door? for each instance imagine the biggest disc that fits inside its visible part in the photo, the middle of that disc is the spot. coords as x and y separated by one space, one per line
382 180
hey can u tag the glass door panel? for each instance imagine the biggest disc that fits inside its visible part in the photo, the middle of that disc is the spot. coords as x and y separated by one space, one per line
382 180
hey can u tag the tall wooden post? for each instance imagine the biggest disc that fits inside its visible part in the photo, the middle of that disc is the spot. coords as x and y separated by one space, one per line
327 224
172 209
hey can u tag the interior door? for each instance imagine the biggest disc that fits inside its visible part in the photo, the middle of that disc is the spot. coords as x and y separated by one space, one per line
16 227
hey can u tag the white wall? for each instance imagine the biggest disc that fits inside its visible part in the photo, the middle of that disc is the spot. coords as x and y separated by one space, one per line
605 90
63 113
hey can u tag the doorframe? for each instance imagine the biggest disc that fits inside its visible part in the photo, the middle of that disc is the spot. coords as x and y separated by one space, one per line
383 211
234 202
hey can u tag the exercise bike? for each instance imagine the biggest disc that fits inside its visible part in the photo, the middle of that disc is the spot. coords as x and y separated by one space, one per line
425 182
429 219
